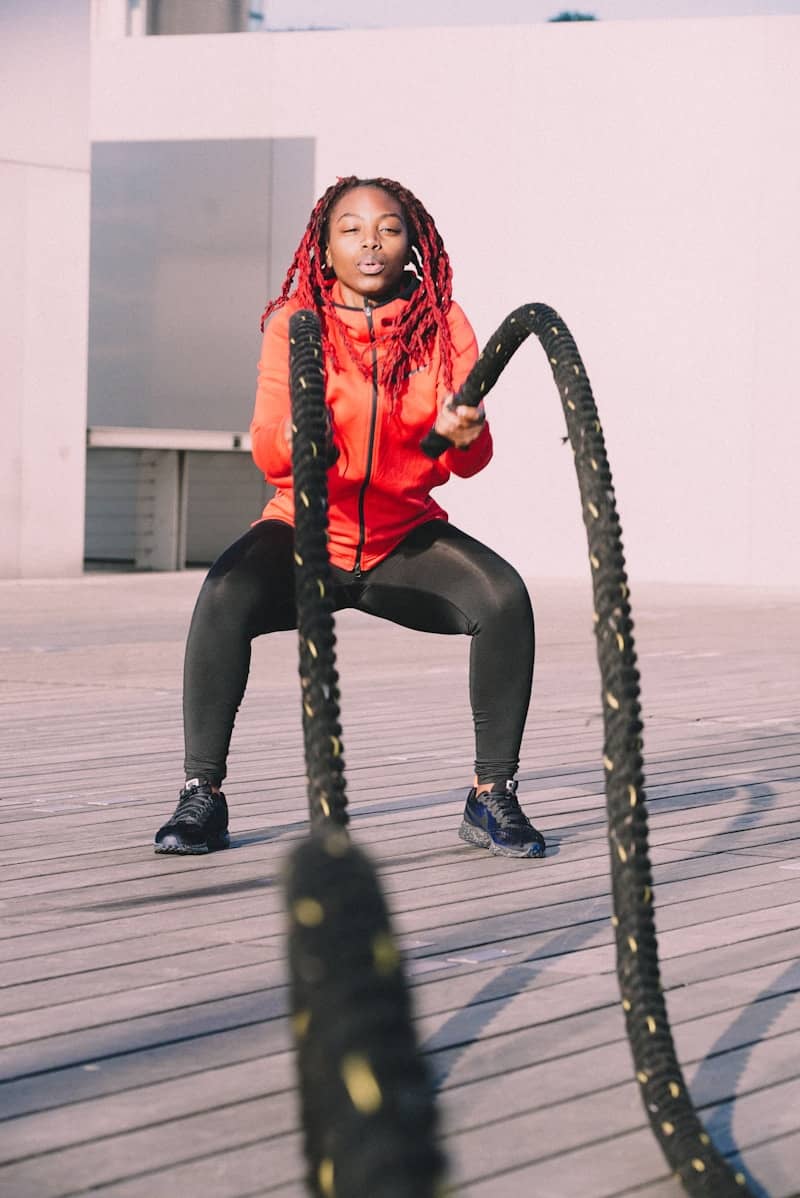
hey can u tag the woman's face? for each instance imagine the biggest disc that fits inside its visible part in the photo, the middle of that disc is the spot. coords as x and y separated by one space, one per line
367 244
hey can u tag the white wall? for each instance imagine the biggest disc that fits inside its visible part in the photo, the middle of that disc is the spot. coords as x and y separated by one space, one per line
44 249
643 178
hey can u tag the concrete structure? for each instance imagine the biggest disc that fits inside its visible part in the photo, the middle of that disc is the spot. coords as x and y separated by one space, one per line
634 175
44 284
637 176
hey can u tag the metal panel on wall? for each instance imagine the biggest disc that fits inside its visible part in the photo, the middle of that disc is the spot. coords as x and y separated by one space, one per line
184 235
188 240
111 484
226 494
201 16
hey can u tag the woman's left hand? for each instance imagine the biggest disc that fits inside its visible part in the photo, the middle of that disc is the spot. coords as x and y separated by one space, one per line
461 424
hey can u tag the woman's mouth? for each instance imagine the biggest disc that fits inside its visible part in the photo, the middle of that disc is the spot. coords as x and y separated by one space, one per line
370 266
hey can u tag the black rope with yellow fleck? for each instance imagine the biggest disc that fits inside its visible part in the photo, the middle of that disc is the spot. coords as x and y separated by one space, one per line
319 680
369 1117
685 1143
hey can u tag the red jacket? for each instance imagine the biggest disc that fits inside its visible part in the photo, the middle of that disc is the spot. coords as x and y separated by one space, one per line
379 488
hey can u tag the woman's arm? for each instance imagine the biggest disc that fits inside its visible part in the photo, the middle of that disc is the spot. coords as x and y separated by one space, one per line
271 421
465 426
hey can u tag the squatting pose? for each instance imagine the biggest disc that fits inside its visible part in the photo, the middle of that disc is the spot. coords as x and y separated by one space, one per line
372 265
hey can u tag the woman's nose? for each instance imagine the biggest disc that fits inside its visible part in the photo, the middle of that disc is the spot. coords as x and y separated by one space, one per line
370 241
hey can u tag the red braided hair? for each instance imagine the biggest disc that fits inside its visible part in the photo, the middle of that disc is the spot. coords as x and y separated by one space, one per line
410 341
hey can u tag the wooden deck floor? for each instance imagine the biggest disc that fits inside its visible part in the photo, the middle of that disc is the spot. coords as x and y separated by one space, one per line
143 1032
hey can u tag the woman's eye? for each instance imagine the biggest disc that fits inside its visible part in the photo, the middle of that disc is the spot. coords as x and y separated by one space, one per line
389 229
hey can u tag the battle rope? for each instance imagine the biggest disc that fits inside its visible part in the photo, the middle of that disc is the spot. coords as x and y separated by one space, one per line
677 1127
347 986
319 680
368 1111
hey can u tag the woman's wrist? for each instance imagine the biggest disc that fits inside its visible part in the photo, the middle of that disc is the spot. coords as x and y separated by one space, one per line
461 424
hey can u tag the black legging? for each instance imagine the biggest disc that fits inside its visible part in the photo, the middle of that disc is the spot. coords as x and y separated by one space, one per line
437 580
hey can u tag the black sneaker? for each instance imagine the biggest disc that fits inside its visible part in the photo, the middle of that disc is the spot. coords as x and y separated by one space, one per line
199 824
495 821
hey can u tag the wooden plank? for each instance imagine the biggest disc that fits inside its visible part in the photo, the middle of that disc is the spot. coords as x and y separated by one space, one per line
772 1167
610 1162
191 1154
140 992
746 1063
26 962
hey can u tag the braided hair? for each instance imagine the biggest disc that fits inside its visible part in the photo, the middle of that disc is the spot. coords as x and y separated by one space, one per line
410 340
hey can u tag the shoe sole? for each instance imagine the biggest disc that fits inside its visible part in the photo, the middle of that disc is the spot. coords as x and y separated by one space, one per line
180 848
482 840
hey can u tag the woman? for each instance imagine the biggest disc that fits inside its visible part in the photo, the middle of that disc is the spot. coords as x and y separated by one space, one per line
372 265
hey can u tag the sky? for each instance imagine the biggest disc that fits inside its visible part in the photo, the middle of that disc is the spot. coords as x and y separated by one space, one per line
367 13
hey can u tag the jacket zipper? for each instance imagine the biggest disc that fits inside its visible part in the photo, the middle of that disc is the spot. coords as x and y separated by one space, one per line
370 444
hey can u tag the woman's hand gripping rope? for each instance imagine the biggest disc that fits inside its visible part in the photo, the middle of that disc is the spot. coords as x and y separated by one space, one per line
460 424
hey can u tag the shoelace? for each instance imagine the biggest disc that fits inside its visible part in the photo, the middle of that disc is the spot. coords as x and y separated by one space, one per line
507 807
195 806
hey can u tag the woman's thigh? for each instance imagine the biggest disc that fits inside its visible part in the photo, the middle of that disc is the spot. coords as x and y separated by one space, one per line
441 580
251 584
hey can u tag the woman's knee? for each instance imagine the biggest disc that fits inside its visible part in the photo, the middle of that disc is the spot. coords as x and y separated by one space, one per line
491 588
506 599
513 591
223 604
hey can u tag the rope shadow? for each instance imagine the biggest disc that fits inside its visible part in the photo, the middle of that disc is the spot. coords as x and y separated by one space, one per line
466 1025
720 1123
747 1032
